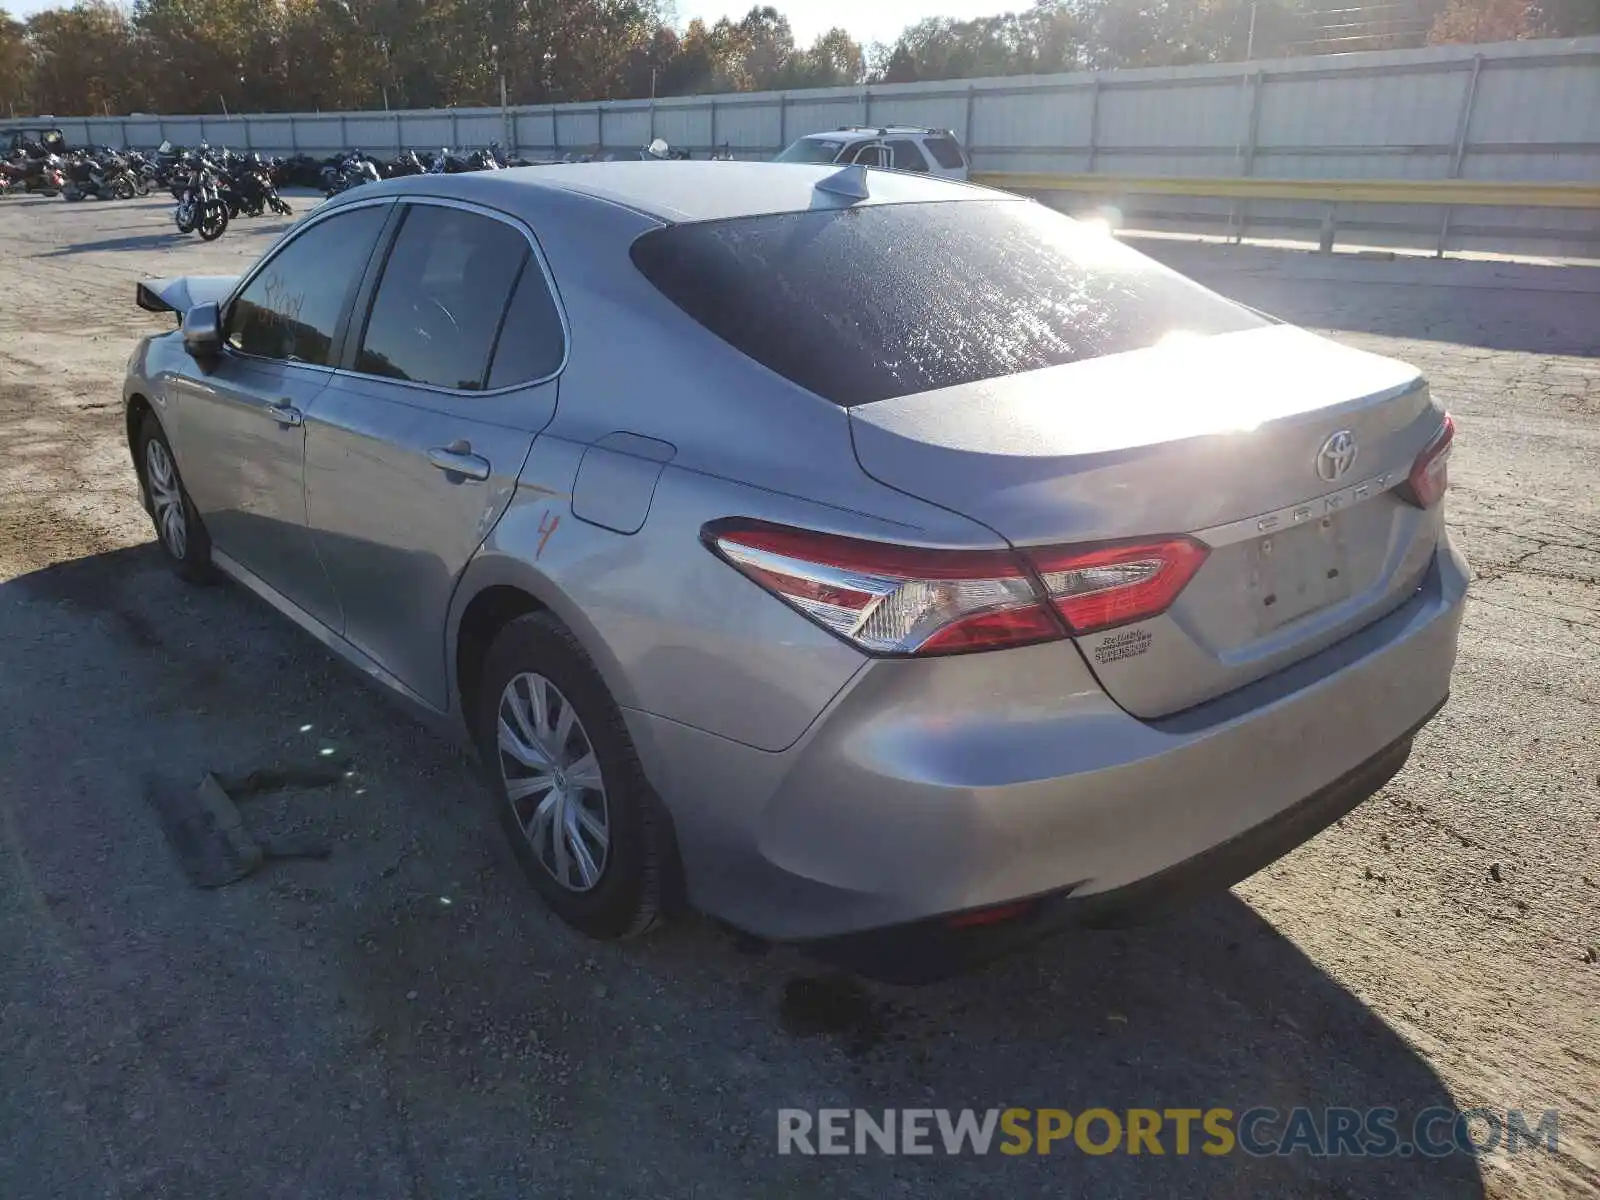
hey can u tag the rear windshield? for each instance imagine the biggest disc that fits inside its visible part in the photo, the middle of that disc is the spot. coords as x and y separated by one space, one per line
945 152
811 150
867 303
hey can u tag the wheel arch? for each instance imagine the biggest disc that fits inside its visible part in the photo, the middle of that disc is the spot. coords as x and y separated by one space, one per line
495 590
135 412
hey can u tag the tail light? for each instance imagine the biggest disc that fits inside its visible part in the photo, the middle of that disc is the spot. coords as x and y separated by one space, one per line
1430 474
903 600
1102 586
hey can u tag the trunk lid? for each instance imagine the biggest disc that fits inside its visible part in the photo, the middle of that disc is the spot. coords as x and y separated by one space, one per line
1219 437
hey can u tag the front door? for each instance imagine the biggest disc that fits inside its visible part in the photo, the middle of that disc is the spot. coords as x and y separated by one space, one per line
413 451
243 424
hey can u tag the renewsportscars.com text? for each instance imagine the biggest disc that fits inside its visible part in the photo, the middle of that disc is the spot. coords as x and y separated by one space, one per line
1328 1132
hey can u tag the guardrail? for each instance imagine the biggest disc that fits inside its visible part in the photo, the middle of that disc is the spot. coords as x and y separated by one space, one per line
1448 192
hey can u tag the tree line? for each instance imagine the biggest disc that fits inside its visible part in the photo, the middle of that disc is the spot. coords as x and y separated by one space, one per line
188 56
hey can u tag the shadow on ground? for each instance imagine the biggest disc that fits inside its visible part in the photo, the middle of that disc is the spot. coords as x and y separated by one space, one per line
402 1019
140 241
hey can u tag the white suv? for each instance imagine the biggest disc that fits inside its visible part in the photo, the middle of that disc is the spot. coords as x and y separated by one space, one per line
900 147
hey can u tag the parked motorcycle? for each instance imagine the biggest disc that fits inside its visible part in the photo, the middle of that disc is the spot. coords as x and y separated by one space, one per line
38 175
101 175
248 189
353 170
404 164
201 208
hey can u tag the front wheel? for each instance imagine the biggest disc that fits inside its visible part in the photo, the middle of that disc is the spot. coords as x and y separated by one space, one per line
184 217
213 221
583 821
124 189
178 527
142 186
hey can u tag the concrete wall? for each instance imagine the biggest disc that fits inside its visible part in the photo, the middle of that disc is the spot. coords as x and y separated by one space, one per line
1510 111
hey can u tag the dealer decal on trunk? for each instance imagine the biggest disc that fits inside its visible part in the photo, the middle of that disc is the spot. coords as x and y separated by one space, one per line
1130 643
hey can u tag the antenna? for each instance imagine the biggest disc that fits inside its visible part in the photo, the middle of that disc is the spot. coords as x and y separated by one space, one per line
851 183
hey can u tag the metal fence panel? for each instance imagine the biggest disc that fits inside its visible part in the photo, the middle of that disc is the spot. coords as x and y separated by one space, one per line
684 124
1512 111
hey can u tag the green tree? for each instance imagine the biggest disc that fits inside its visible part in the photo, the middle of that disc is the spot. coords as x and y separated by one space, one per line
16 66
84 60
835 59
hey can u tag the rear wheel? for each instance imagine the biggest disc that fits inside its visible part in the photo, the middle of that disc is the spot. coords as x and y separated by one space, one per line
178 526
584 823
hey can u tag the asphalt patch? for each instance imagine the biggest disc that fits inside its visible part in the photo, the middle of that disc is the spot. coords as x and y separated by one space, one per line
832 1006
208 836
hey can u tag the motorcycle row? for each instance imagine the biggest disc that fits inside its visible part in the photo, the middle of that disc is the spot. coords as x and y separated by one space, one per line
354 167
212 187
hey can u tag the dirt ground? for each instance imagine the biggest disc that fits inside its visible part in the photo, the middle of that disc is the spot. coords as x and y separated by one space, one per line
401 1019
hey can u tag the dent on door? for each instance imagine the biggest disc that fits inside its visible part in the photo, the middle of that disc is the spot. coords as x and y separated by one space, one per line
399 498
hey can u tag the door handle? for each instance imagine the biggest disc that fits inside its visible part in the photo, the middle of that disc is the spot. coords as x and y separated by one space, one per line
285 413
458 459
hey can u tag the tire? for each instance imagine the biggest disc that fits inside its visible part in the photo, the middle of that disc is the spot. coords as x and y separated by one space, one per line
142 187
183 538
213 221
184 226
124 189
626 897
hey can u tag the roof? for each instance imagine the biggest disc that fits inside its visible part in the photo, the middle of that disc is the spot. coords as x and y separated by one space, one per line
692 190
850 132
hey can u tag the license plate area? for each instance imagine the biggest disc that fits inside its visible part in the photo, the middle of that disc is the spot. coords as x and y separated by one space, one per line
1297 571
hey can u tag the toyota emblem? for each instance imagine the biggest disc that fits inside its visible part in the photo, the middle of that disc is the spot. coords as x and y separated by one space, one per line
1337 456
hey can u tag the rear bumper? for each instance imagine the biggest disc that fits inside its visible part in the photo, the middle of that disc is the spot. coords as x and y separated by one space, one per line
934 787
928 950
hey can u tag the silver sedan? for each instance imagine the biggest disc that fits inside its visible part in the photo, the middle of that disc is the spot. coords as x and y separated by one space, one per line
872 561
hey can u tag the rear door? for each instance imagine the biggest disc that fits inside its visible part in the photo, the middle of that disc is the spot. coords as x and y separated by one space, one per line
868 154
905 155
241 423
413 451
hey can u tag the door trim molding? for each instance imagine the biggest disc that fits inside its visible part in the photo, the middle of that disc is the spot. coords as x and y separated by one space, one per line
359 659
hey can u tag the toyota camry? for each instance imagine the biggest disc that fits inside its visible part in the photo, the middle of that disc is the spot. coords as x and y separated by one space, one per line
872 561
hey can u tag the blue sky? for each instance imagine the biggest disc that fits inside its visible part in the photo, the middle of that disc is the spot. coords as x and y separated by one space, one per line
874 21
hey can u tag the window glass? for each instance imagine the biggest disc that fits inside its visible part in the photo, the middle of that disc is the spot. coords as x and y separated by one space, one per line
440 301
869 154
811 150
906 156
531 343
291 309
865 303
945 152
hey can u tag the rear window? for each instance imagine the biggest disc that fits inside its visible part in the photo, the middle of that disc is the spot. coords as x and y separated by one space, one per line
811 150
868 303
945 152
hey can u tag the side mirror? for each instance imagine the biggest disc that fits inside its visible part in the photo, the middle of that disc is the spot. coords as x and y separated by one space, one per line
202 331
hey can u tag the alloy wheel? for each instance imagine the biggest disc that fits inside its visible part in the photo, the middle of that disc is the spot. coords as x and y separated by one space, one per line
166 497
553 781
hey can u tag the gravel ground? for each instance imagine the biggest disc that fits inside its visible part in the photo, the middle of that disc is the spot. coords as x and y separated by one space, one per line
401 1019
